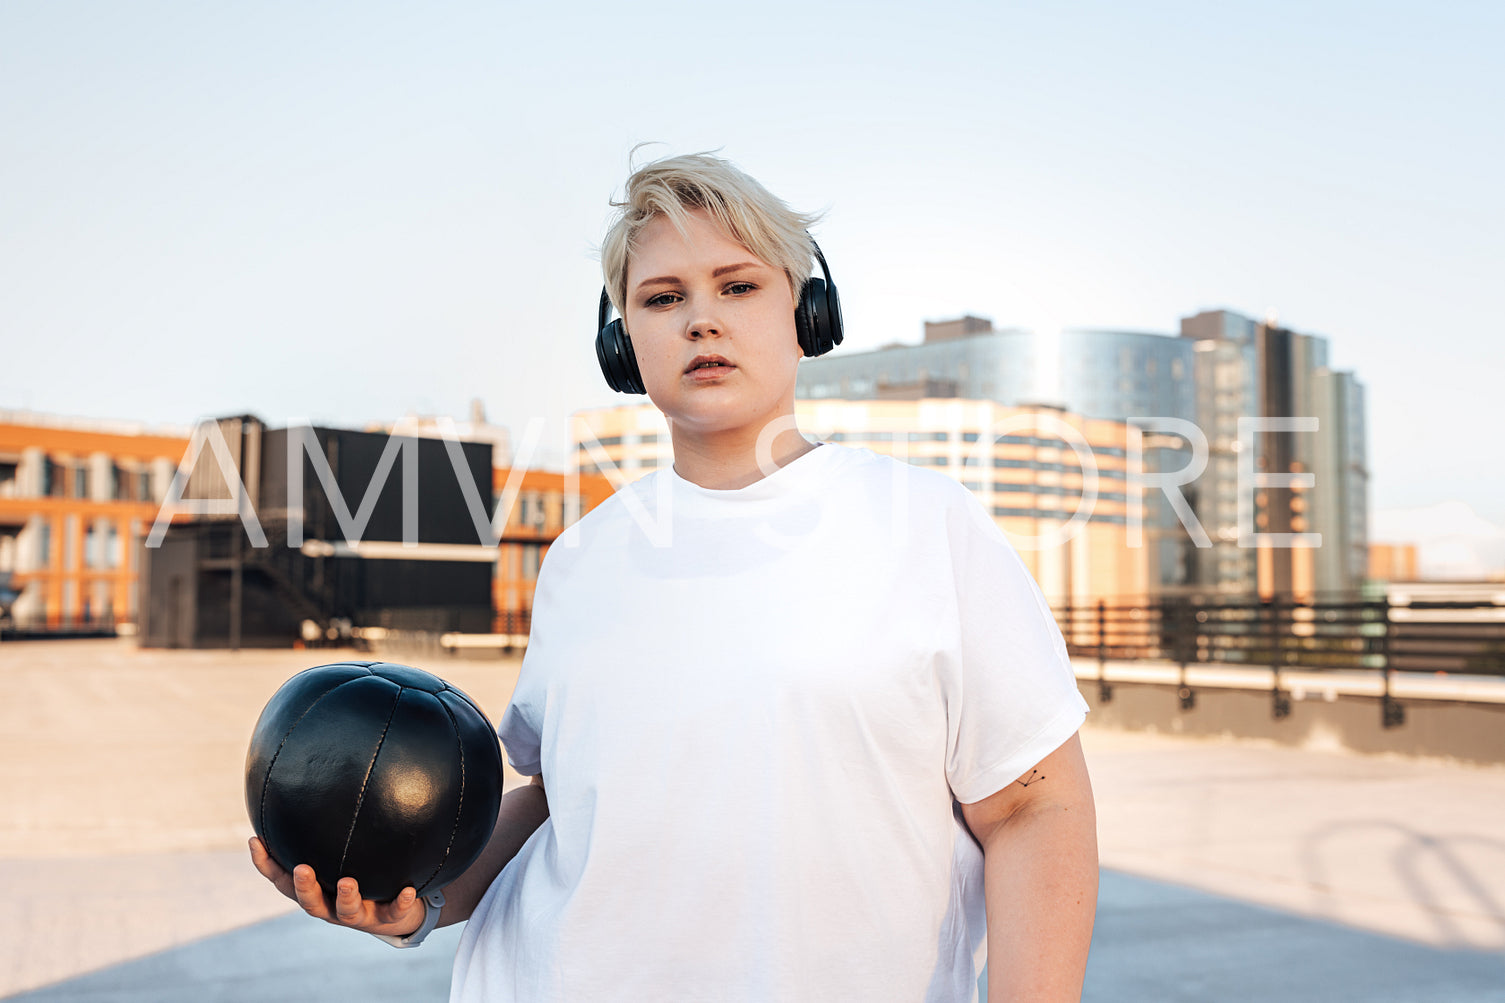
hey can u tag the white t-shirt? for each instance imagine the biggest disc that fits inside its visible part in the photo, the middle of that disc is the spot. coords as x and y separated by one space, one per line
753 710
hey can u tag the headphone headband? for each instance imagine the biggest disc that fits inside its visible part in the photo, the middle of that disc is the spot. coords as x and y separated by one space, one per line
821 258
605 309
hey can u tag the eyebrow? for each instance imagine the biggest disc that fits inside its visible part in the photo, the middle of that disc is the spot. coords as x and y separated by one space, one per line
723 270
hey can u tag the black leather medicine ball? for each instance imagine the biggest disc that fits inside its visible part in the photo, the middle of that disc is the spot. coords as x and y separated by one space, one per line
374 770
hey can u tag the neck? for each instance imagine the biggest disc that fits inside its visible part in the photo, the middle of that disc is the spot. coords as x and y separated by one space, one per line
727 461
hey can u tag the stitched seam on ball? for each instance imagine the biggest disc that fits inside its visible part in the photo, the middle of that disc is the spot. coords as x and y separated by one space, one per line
360 798
459 808
267 778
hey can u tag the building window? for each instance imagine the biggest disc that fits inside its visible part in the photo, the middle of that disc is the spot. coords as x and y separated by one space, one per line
52 479
530 561
143 485
532 513
44 543
94 548
80 480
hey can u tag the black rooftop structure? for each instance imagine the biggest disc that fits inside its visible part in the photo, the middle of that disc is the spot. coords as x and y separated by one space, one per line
209 586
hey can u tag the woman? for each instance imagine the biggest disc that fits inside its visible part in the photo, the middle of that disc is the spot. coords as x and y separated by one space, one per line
796 714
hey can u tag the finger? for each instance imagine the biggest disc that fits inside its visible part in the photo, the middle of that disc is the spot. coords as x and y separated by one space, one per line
397 909
308 893
348 907
269 868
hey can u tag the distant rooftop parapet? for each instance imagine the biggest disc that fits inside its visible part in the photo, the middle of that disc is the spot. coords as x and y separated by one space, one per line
108 426
1218 325
961 327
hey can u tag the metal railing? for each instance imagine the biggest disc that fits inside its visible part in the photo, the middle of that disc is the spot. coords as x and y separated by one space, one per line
1374 634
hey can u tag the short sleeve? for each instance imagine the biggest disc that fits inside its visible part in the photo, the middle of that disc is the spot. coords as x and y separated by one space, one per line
521 729
1011 693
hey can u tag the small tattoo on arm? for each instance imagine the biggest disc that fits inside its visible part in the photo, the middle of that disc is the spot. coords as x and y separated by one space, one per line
1035 776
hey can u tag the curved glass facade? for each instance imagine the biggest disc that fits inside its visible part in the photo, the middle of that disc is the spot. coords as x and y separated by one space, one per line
1126 374
999 366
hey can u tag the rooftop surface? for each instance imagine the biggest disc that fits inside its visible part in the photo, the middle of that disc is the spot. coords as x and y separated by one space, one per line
1234 870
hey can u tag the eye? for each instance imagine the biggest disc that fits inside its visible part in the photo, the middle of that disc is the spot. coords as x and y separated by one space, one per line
663 299
740 288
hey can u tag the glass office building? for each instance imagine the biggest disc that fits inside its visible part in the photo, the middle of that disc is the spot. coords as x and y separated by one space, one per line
999 366
1246 369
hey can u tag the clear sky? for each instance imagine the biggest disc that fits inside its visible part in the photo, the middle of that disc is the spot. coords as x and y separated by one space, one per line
349 211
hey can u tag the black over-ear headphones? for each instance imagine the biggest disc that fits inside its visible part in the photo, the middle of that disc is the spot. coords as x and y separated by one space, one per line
817 324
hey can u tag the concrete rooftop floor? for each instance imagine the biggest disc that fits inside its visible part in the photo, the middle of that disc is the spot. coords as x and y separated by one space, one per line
1234 870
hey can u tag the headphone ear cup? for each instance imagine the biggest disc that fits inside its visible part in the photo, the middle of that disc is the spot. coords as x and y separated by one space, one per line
833 331
807 317
619 364
817 317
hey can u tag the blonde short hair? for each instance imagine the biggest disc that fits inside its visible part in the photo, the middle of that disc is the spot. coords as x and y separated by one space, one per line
675 186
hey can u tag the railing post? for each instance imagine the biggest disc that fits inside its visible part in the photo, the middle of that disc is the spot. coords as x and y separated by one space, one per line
1280 702
1392 714
1104 691
1181 625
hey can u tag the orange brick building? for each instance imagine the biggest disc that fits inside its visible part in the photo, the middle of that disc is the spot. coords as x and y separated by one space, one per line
76 499
541 511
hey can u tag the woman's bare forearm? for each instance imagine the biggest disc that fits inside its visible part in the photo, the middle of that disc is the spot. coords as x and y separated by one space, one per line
523 810
1040 877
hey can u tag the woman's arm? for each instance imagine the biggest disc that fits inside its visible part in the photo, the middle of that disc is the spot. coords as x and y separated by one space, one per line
523 811
1039 841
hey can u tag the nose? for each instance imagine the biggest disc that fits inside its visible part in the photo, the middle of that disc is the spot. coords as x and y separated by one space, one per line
704 320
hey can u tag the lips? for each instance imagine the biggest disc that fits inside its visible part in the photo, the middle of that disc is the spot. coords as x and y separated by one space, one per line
708 365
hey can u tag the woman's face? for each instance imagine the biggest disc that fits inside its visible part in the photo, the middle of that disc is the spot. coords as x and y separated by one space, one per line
712 327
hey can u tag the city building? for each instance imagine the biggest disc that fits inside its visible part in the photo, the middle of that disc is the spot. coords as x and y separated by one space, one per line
965 358
1125 374
1249 370
1392 562
1227 388
1340 508
1029 466
77 497
1147 380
